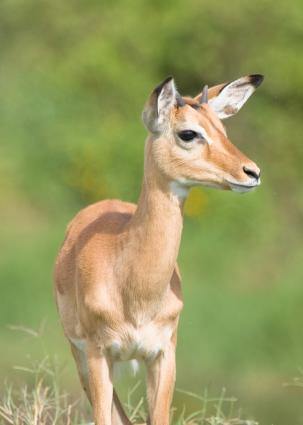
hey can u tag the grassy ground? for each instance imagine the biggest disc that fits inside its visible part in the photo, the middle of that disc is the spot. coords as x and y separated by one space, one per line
43 402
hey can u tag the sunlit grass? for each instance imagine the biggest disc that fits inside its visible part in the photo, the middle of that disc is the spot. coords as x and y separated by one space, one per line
40 403
44 402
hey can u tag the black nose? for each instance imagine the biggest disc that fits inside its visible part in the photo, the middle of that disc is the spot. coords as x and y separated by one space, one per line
252 173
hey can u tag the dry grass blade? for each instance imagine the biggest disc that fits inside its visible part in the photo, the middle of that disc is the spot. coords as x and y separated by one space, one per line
44 404
213 411
40 404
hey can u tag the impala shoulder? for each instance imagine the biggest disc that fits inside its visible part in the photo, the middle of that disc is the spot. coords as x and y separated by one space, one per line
110 214
100 208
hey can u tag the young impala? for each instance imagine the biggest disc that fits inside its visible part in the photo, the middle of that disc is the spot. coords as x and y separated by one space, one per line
118 287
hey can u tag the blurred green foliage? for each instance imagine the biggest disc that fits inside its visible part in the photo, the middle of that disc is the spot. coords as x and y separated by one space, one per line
73 79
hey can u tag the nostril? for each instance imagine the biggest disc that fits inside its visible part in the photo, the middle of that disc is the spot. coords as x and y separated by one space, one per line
251 173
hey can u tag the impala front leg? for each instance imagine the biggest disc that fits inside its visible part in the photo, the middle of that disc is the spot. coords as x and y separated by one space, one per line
161 375
100 383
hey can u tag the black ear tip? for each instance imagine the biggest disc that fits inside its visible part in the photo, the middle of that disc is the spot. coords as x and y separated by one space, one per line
256 79
167 79
159 88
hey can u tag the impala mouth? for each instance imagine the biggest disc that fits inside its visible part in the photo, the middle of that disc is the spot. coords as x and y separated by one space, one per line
242 188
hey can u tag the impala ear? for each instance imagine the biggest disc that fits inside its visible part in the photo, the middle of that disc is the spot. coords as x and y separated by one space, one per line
160 104
227 99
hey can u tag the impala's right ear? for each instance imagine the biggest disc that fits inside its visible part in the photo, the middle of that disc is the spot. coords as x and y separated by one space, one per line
157 109
228 98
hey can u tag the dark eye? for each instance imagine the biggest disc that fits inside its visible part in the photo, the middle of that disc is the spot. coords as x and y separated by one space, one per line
187 135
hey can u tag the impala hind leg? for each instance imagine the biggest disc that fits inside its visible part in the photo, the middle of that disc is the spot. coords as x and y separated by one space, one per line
161 375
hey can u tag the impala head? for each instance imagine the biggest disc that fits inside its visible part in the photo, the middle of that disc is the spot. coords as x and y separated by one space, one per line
188 141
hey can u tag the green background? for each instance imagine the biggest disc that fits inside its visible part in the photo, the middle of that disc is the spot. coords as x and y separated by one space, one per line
73 80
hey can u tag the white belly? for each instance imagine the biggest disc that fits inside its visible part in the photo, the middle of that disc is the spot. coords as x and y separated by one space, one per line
144 343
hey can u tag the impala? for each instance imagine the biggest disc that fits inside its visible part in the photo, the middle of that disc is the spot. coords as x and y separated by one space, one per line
117 283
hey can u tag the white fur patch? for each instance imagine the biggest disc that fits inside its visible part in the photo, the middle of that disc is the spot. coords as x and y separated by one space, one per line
120 368
144 343
243 188
179 190
166 101
132 344
167 97
80 344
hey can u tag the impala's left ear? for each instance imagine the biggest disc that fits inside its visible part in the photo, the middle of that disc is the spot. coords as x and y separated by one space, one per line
164 98
228 98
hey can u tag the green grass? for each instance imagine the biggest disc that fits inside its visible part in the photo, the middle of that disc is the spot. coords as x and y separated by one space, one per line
40 403
43 402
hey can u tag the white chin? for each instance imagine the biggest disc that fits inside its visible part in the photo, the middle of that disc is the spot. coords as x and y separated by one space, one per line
241 188
211 185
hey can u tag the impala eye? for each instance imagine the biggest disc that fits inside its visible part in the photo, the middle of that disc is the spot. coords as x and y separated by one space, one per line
187 135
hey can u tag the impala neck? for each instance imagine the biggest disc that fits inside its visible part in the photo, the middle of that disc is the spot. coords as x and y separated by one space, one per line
156 226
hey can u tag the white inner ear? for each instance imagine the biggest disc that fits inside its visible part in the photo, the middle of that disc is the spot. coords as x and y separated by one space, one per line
166 98
231 98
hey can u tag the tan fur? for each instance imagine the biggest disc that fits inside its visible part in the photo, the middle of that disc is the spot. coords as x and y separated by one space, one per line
117 283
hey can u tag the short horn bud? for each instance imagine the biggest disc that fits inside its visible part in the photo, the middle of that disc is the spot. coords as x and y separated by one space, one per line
180 100
204 95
